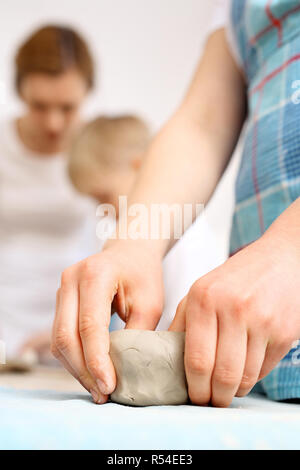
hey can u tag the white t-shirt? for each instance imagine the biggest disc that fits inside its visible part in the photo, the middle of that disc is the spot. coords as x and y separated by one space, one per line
221 19
220 14
45 226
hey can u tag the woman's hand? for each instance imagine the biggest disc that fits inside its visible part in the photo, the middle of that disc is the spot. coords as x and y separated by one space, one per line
241 319
40 344
126 277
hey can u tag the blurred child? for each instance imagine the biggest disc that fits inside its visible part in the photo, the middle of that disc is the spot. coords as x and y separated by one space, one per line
104 162
106 156
105 159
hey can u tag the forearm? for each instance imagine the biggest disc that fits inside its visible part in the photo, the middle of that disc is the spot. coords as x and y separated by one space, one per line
183 166
187 158
189 155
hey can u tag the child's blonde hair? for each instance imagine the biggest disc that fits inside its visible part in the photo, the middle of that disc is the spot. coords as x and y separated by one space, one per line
107 142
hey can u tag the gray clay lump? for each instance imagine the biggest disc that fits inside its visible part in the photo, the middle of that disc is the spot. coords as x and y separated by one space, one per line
149 367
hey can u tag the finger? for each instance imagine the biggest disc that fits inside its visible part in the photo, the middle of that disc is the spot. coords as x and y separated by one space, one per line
38 343
98 397
94 318
56 353
67 343
178 323
256 349
230 360
200 348
274 354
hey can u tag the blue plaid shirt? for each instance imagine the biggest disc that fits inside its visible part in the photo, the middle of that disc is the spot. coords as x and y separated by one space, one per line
267 33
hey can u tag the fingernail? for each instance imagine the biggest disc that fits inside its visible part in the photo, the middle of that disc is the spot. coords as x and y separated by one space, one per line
97 397
102 387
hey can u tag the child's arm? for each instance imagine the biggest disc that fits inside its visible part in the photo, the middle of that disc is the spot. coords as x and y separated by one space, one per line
183 165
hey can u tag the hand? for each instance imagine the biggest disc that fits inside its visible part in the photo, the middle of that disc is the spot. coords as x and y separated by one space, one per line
125 276
39 343
240 320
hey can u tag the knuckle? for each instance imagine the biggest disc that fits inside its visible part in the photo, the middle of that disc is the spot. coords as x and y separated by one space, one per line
66 277
203 294
88 270
197 364
84 379
242 305
93 365
63 339
194 292
54 351
237 313
266 320
225 377
86 326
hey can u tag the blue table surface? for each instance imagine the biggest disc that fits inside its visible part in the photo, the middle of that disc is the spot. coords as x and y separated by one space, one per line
55 420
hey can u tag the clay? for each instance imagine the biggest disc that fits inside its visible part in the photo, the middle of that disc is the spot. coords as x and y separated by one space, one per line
149 367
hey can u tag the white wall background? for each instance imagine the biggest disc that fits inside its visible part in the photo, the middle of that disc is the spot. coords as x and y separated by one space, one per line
146 52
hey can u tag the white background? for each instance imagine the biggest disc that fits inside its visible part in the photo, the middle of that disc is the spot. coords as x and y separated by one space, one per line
146 50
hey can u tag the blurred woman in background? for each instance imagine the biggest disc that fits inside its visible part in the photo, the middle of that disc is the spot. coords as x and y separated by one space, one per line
44 223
